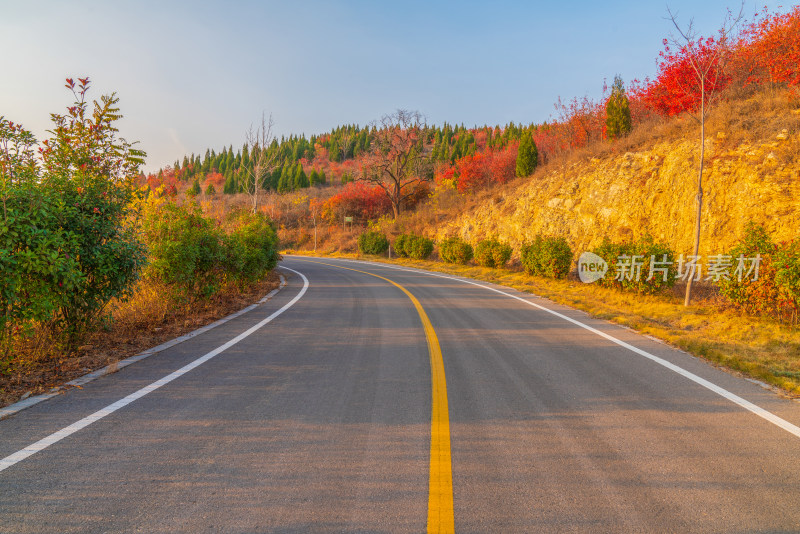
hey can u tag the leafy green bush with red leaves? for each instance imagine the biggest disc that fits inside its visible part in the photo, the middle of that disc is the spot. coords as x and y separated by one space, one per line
68 246
547 256
770 285
644 266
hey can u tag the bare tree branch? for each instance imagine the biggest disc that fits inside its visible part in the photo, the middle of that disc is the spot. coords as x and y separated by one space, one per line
707 60
263 160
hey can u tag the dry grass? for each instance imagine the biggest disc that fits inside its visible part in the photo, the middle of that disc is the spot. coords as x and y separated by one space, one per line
756 347
148 319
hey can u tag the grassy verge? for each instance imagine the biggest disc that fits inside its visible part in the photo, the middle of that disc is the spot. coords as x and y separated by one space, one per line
148 319
756 347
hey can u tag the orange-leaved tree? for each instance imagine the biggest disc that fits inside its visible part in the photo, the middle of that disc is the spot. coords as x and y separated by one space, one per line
691 76
397 161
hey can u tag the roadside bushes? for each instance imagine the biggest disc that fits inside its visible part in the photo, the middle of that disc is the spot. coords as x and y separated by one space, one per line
250 247
373 242
643 266
67 242
455 250
413 246
492 253
547 256
764 276
197 256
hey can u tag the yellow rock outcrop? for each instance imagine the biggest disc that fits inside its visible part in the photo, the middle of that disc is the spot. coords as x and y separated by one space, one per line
652 191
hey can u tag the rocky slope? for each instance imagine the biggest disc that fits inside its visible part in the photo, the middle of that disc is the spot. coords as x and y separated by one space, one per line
653 191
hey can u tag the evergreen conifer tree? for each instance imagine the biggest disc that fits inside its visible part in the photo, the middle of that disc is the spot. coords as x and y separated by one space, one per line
230 186
300 178
527 155
283 185
618 111
195 189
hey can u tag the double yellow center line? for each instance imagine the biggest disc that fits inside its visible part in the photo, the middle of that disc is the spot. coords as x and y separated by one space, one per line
440 486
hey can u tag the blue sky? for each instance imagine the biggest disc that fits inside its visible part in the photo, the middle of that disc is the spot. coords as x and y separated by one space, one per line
195 75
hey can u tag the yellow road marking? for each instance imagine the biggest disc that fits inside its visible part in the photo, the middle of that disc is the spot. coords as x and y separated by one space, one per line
440 485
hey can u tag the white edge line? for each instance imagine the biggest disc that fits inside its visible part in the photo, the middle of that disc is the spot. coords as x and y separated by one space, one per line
744 403
23 404
43 443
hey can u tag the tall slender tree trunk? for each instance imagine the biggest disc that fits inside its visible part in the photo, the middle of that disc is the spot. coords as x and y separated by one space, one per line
698 218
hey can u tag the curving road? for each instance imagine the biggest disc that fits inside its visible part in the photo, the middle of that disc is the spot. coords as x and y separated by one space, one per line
322 417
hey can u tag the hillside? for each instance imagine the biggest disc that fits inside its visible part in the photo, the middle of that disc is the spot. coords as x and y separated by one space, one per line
651 188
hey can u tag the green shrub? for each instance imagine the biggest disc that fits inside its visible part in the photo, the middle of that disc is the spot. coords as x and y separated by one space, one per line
373 242
419 247
455 250
400 245
547 256
185 249
643 266
189 252
250 245
492 253
38 271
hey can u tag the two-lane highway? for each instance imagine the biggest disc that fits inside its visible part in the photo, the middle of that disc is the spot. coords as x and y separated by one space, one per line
324 419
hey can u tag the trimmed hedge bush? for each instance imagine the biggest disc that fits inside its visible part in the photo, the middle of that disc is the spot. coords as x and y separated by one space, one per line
651 257
419 248
455 250
413 246
547 256
492 253
400 245
373 242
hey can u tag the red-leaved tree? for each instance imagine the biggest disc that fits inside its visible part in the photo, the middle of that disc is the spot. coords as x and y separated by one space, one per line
769 49
691 76
357 199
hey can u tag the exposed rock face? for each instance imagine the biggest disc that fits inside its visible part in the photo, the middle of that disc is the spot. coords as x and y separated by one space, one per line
653 191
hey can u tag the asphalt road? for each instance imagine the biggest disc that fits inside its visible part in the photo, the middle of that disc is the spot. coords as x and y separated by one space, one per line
321 421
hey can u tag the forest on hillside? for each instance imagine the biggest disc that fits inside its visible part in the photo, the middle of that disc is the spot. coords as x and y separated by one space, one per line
763 52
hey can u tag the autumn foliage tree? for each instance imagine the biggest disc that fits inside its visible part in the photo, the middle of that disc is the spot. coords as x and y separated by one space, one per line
769 49
397 160
692 75
357 199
